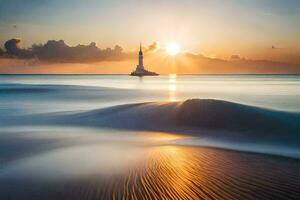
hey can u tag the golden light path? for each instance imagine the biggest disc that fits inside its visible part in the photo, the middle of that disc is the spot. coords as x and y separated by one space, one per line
172 87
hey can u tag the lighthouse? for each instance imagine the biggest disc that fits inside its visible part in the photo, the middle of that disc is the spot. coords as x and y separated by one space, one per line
140 66
140 70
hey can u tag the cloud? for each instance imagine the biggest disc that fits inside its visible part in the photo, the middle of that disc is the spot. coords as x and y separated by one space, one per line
237 64
13 48
60 52
235 57
153 47
57 51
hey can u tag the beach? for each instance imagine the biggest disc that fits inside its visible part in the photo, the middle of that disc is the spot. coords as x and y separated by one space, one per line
118 137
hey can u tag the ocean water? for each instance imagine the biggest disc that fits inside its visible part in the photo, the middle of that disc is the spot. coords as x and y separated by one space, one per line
122 137
280 92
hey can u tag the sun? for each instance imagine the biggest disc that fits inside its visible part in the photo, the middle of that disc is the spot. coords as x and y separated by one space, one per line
173 49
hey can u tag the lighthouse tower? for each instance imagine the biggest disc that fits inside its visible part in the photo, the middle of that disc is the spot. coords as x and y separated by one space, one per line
140 69
140 66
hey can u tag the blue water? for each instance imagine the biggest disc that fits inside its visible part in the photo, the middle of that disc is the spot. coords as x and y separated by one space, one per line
75 92
22 97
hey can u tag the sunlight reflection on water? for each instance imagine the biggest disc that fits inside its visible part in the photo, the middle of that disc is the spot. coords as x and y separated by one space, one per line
272 91
172 87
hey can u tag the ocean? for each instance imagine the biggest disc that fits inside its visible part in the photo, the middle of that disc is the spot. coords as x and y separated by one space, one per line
166 137
280 92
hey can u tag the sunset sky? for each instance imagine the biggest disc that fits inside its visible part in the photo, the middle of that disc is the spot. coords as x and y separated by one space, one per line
250 30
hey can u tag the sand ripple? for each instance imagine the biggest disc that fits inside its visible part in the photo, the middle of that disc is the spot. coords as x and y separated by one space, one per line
174 172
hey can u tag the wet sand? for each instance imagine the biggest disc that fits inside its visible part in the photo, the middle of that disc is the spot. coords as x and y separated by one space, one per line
162 172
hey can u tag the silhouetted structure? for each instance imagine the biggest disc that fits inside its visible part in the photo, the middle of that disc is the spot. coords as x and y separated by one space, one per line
140 70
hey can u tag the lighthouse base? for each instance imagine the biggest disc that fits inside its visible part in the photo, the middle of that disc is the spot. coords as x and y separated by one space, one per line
143 73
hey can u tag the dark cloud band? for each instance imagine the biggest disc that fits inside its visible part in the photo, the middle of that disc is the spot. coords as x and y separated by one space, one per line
59 51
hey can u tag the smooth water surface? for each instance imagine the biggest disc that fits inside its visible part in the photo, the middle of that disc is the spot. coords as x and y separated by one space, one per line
122 137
